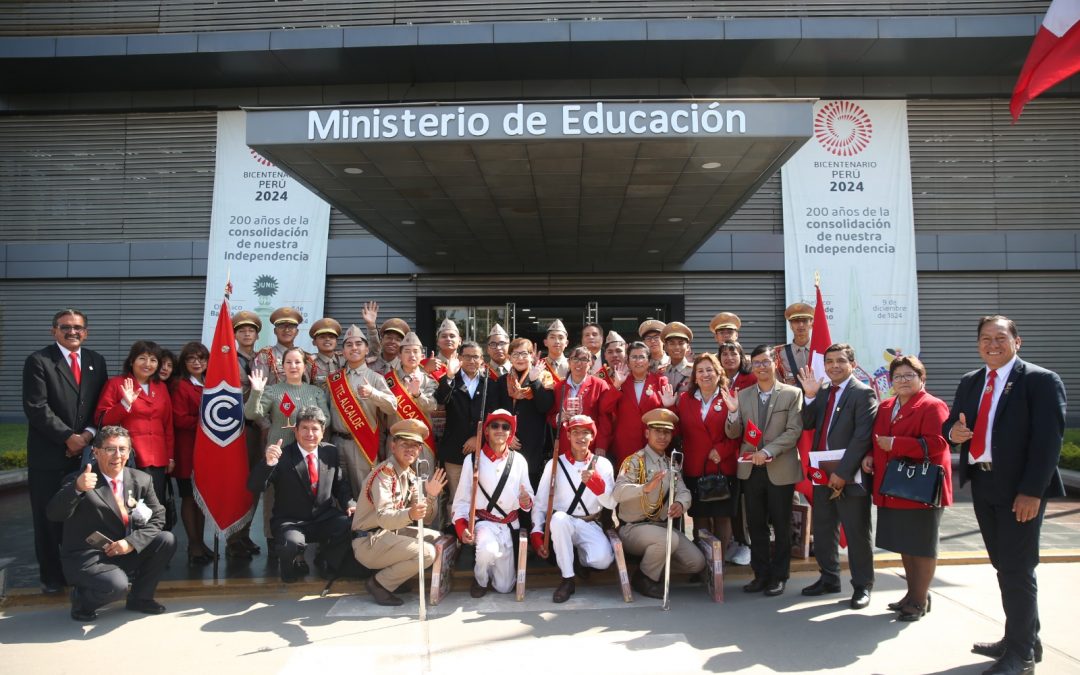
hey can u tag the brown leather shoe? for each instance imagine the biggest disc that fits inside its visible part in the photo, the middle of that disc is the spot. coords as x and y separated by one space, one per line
476 590
381 595
564 591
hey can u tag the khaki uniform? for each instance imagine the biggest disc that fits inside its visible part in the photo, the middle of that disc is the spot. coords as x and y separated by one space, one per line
382 510
380 408
320 367
269 360
425 400
646 535
784 372
561 365
382 366
678 375
659 366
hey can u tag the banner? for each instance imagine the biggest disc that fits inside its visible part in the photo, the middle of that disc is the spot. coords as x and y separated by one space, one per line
848 216
221 462
267 232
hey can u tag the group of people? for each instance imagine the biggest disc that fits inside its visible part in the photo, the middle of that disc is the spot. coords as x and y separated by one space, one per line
570 445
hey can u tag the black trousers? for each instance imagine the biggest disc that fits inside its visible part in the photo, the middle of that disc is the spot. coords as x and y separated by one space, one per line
1014 553
768 504
331 532
99 579
853 512
43 484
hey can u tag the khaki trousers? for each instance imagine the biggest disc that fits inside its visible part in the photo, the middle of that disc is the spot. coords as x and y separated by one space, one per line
395 554
649 541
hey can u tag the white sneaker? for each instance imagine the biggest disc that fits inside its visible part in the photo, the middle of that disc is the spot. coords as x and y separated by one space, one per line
740 555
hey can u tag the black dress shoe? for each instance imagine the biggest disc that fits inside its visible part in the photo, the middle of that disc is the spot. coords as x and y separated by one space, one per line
381 595
52 588
564 591
1011 664
821 587
996 650
646 586
775 588
755 586
83 615
476 590
860 599
145 606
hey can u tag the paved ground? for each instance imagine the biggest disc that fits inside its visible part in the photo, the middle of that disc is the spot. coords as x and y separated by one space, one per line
596 632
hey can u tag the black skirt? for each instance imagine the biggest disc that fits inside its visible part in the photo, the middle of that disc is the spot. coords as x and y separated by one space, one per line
909 531
724 508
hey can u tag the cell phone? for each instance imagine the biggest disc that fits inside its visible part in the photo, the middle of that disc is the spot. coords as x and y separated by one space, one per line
98 540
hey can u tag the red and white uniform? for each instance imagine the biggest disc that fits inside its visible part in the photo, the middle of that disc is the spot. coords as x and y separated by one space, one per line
635 399
579 529
494 540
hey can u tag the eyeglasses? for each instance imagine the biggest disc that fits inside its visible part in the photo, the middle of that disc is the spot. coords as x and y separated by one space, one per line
652 338
287 326
520 355
638 357
470 357
499 426
581 359
500 345
115 450
191 359
905 377
761 364
68 328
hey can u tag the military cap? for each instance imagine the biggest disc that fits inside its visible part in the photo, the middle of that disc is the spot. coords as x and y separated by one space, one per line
612 336
660 418
353 333
447 326
799 310
650 326
677 329
412 340
325 325
413 430
557 327
396 325
286 315
246 318
497 330
725 320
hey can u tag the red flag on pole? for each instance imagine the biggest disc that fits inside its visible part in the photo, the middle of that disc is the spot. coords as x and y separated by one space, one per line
820 339
221 463
287 406
1054 55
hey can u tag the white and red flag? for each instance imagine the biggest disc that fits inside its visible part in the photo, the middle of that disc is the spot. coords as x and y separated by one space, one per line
1054 55
819 336
221 462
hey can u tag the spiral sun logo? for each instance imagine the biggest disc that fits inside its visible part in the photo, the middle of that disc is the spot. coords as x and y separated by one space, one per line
260 159
843 128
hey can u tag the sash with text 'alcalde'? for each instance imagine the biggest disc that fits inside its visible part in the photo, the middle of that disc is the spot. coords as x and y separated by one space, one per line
352 413
407 407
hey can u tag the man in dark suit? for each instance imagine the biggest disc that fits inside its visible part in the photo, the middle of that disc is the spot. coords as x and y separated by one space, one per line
312 497
461 390
1009 420
841 413
120 504
60 389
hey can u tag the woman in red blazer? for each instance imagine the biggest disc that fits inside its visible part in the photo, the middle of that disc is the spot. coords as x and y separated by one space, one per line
706 447
906 527
639 391
137 401
186 397
736 366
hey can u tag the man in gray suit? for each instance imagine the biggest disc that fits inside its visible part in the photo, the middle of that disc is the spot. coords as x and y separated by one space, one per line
768 418
841 412
112 531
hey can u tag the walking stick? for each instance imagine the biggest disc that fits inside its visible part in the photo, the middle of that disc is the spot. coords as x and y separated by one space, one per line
422 469
674 465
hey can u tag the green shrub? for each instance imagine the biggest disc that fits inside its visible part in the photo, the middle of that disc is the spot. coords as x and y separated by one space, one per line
1070 456
12 459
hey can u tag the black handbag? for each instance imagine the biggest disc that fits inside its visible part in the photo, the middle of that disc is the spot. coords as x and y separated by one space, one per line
713 487
914 480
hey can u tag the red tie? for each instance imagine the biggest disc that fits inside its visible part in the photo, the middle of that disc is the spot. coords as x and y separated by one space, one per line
75 369
828 417
119 499
313 473
978 441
